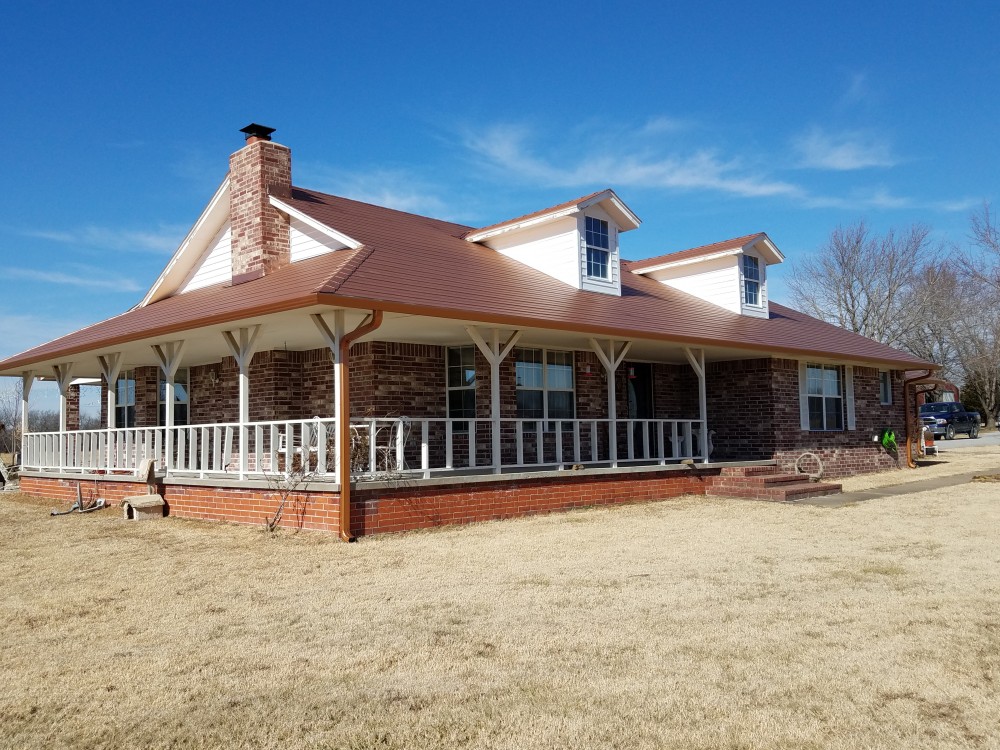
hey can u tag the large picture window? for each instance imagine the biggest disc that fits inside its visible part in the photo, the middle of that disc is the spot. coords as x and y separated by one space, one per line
598 248
825 392
180 399
544 382
125 399
461 385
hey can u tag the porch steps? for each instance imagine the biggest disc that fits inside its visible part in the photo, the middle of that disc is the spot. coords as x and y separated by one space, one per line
767 483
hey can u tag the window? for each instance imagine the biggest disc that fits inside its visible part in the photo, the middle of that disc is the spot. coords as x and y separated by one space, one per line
598 248
461 385
751 281
885 387
825 391
125 399
544 382
180 398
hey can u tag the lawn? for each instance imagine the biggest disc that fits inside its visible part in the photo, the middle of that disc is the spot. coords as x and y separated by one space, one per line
692 623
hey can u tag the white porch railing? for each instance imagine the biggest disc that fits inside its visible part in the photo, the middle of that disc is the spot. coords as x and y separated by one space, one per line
380 448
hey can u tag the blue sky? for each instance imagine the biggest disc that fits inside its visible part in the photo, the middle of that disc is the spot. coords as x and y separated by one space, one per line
710 122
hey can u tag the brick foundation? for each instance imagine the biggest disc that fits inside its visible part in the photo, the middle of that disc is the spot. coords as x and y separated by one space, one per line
388 510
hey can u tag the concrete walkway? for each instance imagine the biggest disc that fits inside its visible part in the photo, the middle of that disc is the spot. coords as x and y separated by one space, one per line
921 485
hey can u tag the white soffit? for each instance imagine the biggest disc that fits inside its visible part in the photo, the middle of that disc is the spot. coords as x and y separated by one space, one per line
192 248
319 226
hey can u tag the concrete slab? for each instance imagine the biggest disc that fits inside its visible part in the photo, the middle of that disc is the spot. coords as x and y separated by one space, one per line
921 485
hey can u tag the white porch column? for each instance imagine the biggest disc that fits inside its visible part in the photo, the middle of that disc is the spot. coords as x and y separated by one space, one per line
332 339
242 344
495 354
27 380
169 355
611 361
697 361
111 367
64 378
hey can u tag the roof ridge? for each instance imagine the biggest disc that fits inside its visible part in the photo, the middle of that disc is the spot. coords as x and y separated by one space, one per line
662 258
344 273
375 205
533 214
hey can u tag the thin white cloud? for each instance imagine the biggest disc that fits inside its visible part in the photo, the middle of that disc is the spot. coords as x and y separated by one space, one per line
164 239
394 188
844 151
858 90
87 278
504 148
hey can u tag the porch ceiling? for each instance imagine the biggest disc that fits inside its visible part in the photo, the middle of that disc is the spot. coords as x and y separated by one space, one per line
295 331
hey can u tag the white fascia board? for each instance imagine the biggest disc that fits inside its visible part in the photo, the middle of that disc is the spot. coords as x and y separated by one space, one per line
319 226
769 248
626 219
532 222
213 217
687 261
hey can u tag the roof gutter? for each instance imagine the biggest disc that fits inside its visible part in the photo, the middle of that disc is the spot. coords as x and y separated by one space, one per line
344 419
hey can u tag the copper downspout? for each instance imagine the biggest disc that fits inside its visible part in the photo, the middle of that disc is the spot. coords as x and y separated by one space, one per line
908 409
344 422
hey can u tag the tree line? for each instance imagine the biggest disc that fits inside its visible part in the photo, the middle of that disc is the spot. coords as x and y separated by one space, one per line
937 302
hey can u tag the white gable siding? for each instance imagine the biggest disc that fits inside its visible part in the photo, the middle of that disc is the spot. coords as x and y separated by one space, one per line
215 265
307 242
613 284
716 280
550 248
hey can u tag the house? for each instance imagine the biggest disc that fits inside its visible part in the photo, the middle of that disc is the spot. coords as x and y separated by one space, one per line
480 372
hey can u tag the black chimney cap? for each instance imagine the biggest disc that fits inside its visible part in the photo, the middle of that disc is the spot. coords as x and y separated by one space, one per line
253 130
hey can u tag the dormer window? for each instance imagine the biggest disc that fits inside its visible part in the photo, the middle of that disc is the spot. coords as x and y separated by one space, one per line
598 248
751 281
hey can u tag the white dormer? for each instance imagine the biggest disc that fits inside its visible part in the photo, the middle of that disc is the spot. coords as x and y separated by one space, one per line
731 274
575 242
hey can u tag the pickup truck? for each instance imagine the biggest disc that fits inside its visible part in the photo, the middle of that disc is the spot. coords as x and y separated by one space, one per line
948 417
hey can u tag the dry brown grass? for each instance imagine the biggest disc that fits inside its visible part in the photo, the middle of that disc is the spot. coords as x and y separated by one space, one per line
698 623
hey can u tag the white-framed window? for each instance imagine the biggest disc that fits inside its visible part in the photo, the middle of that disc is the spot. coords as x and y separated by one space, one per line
544 383
461 385
751 281
180 398
885 387
125 399
598 239
825 397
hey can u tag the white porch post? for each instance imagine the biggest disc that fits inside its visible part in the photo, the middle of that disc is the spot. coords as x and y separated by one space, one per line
64 378
697 361
169 355
611 361
242 344
495 354
332 339
27 380
111 366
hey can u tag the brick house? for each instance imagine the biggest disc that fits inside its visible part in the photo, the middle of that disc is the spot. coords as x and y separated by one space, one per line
480 372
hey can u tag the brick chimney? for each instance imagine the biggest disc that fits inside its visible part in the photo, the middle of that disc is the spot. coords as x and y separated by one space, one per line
259 230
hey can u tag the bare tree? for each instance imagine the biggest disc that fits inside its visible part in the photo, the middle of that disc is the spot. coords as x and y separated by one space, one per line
865 282
10 416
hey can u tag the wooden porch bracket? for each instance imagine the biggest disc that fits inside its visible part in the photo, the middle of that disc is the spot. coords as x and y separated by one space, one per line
332 339
242 349
64 378
494 354
698 365
611 362
169 355
111 366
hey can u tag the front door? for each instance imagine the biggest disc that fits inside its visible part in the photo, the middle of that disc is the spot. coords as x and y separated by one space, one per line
640 406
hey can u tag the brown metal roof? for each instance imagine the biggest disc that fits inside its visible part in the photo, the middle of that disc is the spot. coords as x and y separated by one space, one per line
638 266
422 266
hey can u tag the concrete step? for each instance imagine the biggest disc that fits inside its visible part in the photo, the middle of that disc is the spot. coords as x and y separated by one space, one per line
759 480
783 492
748 471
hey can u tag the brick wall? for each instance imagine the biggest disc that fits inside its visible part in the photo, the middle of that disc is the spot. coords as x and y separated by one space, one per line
741 409
259 231
378 511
